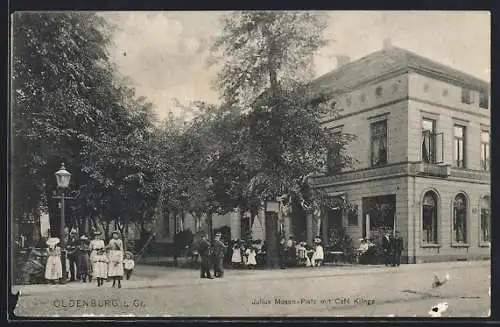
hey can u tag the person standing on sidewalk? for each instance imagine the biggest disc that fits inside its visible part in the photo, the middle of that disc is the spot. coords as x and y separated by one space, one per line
387 248
115 266
204 252
84 269
219 251
282 253
397 249
100 265
53 267
95 244
72 253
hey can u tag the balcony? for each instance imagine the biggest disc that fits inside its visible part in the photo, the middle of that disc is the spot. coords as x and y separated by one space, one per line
433 169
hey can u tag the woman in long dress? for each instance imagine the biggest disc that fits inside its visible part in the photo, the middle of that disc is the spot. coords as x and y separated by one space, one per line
95 244
318 255
53 268
84 268
115 265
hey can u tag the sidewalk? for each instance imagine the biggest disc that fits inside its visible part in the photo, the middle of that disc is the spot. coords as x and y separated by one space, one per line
164 277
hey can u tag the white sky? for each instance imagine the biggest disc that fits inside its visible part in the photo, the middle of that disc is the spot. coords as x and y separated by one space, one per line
164 53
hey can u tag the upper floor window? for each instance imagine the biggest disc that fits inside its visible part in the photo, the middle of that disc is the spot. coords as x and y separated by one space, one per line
379 143
362 97
485 150
379 91
445 92
428 140
483 99
333 161
467 96
459 146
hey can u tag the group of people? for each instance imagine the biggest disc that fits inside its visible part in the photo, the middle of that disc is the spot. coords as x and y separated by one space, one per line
293 253
212 256
392 244
87 260
244 254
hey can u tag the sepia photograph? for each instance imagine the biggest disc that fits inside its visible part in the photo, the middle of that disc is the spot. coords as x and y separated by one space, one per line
250 164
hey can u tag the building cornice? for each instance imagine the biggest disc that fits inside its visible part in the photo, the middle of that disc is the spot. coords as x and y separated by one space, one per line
405 98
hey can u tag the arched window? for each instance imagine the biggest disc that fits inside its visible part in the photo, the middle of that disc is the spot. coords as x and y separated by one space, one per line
460 219
485 219
429 218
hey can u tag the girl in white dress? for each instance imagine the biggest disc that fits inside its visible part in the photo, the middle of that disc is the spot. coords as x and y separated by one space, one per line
115 265
318 255
53 268
100 265
95 244
236 258
251 257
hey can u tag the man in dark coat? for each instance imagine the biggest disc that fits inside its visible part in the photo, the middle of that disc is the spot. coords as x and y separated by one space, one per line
72 247
219 250
397 248
204 251
387 241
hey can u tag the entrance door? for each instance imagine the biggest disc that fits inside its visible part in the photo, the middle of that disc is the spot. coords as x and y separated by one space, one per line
272 239
381 211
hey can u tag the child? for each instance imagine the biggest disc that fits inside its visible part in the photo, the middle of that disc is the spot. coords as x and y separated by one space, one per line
251 257
84 268
236 257
318 255
53 268
128 264
115 267
100 270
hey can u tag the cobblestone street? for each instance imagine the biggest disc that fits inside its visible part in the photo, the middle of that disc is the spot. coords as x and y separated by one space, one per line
327 291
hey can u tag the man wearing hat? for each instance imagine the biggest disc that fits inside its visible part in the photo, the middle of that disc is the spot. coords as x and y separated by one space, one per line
72 250
397 249
84 270
204 251
219 251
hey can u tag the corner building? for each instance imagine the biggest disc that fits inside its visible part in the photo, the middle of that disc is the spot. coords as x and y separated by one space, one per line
422 155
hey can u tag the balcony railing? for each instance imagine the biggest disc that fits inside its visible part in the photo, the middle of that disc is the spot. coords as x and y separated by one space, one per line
440 170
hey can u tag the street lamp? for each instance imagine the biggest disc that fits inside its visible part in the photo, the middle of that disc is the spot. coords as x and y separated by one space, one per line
63 177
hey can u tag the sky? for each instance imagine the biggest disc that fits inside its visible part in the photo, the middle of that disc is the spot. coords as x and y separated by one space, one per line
164 54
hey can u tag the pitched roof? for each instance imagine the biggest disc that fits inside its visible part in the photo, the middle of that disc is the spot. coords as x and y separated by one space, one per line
391 60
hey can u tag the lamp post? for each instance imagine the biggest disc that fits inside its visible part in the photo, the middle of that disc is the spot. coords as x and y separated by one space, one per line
63 177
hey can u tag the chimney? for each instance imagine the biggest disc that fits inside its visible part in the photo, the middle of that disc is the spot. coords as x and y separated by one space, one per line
342 60
387 43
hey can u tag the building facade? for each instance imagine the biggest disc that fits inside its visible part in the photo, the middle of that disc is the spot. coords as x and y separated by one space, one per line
422 153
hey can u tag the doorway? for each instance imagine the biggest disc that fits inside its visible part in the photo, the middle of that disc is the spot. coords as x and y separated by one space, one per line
381 211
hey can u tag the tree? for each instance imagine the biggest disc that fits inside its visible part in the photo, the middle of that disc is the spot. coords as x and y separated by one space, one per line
71 106
265 51
59 75
266 62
